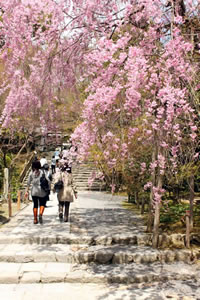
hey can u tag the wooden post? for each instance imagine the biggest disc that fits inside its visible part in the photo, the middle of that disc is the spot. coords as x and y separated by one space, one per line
187 237
26 198
143 206
9 206
18 200
6 183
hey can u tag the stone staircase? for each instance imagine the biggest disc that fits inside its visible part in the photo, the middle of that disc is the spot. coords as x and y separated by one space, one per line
83 172
103 245
62 259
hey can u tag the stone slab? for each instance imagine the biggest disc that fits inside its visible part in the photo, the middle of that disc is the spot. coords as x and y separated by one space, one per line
30 277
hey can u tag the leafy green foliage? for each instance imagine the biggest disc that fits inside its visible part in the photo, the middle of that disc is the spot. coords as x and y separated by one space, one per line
171 213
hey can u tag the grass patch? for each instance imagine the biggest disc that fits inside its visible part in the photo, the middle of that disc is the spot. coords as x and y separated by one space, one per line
15 187
4 213
130 206
172 216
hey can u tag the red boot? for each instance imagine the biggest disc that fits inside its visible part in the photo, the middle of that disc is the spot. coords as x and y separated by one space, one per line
35 212
41 213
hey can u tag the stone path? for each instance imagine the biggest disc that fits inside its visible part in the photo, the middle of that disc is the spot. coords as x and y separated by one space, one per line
102 253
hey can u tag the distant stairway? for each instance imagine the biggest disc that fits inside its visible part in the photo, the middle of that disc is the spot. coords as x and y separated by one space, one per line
83 173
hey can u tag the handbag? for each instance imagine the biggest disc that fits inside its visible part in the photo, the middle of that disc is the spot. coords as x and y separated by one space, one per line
59 185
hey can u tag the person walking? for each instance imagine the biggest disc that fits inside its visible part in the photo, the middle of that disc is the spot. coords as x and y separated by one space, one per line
38 194
43 161
65 153
57 154
35 156
65 194
48 175
53 164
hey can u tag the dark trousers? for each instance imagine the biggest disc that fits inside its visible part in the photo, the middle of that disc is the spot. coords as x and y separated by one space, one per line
66 205
53 169
38 201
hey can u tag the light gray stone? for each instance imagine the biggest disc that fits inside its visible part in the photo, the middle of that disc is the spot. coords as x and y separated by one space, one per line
177 241
104 240
32 267
170 256
142 240
149 257
164 241
44 256
66 257
24 257
181 255
129 258
83 257
51 277
103 257
139 278
137 258
117 259
8 256
30 277
9 277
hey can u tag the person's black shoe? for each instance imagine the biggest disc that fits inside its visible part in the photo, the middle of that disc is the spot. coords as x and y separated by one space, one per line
61 217
40 219
65 219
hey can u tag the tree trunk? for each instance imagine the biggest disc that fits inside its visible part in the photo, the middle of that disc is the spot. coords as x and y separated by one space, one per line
157 218
191 187
156 226
6 184
143 206
136 199
187 236
16 157
4 159
150 214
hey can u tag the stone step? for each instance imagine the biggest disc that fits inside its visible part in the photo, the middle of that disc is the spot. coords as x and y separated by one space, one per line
174 290
85 181
85 169
90 189
23 273
83 178
85 166
82 173
173 241
87 187
84 254
85 184
68 239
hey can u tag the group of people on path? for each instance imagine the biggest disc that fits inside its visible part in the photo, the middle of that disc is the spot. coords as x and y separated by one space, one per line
41 180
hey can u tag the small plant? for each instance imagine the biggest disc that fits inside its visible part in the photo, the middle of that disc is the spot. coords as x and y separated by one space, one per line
172 213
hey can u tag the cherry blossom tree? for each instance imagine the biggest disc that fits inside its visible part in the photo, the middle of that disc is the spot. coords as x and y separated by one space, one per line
152 75
43 46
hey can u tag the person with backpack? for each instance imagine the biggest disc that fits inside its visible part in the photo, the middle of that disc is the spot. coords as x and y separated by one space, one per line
48 175
53 165
39 190
43 161
66 191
